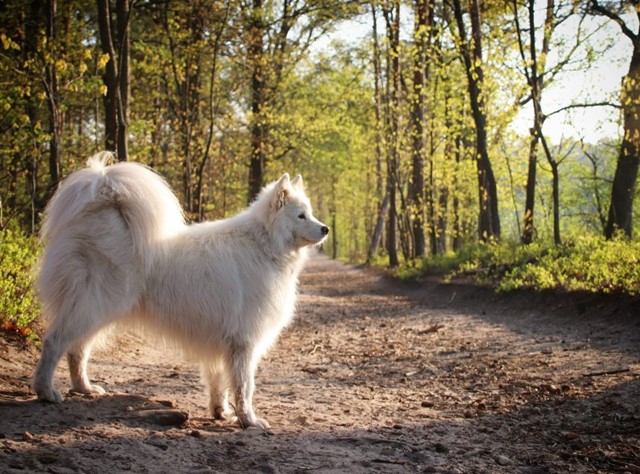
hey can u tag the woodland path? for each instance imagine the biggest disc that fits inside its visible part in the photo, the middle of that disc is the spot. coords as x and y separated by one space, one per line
373 376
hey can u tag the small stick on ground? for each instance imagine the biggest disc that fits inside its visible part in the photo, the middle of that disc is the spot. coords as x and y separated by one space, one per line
434 328
607 372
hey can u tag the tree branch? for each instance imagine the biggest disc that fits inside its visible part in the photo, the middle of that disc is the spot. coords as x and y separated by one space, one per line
609 14
578 106
521 43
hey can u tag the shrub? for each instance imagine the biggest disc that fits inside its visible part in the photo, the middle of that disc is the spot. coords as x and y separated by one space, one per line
590 264
18 304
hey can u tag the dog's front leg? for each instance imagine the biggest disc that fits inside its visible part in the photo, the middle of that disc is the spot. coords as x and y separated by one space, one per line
78 357
243 373
215 376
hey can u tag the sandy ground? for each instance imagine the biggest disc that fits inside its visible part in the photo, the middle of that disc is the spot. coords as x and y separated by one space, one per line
373 376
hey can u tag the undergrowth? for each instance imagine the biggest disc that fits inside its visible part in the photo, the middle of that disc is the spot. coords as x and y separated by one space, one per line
18 304
590 264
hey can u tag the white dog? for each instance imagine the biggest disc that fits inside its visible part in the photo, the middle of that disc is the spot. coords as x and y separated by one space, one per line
118 249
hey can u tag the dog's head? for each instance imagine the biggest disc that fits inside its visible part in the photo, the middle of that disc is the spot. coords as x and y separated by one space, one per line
290 215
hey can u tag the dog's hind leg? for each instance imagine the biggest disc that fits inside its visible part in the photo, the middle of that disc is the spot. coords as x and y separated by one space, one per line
78 357
215 376
65 333
243 368
52 350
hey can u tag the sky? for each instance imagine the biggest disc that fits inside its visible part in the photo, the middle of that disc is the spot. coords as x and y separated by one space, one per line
600 83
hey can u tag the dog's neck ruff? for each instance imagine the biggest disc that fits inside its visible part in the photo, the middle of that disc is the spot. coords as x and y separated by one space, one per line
284 255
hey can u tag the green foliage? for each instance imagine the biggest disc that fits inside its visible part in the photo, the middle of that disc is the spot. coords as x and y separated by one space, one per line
590 264
329 130
18 304
440 264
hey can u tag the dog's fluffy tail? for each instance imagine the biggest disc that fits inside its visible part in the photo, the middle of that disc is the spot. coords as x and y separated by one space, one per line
149 208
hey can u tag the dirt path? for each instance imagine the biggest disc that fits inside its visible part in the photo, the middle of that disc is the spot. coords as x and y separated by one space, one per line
372 377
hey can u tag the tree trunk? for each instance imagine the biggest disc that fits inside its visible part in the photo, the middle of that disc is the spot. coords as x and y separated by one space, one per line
123 12
212 110
431 211
595 178
457 224
392 129
376 236
422 35
377 75
555 176
116 76
110 77
624 181
334 233
26 158
443 202
258 157
529 231
489 219
392 220
534 73
431 199
52 101
383 206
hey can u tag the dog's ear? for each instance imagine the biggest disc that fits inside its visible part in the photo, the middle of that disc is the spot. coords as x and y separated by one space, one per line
281 190
297 183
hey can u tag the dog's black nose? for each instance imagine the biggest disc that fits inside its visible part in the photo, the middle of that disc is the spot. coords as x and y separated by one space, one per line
324 230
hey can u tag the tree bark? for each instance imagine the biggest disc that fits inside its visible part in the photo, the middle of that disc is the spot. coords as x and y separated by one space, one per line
555 176
123 13
51 88
258 157
489 219
624 181
383 206
110 77
116 75
595 177
529 230
457 224
393 142
422 35
376 236
416 185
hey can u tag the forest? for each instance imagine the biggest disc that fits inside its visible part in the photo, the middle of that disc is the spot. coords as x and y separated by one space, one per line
487 151
401 116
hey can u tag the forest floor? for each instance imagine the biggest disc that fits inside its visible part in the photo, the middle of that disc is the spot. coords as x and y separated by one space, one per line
373 376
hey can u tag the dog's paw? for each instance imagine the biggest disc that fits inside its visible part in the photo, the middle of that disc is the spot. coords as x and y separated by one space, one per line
49 394
222 413
95 390
248 421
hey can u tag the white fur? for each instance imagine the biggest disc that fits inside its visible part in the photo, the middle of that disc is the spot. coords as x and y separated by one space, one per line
118 249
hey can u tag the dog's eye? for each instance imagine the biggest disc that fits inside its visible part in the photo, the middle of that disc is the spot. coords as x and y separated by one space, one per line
302 216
